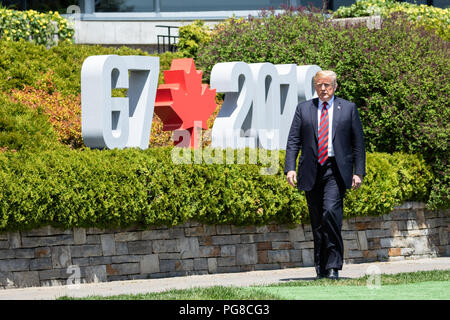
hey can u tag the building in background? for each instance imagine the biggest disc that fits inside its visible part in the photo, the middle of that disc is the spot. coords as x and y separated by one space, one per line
137 23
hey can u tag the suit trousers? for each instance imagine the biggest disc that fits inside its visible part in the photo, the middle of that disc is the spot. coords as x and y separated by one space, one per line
325 204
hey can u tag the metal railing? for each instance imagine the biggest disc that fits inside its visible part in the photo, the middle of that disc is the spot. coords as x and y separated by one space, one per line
171 40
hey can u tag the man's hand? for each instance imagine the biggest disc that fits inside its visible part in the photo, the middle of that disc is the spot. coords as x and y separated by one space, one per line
356 182
292 177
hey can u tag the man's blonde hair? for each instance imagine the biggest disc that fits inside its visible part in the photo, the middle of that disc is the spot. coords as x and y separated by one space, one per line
326 73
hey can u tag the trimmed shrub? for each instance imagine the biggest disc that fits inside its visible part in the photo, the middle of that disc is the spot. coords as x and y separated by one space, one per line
24 129
191 37
109 189
64 112
431 18
397 75
24 64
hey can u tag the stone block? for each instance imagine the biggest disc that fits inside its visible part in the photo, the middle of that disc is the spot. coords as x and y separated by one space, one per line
212 265
87 250
41 264
58 240
61 257
247 238
108 244
128 236
121 248
26 279
123 268
351 244
140 247
149 264
53 274
349 235
155 234
223 229
362 240
267 245
14 265
296 234
304 245
406 251
79 235
392 252
189 247
295 255
377 233
308 257
209 251
443 236
276 236
263 257
355 254
93 261
46 231
169 265
176 233
278 256
382 254
226 239
226 262
15 240
246 254
165 246
386 242
24 253
412 225
7 254
94 274
81 262
6 279
282 245
228 250
4 244
200 264
186 265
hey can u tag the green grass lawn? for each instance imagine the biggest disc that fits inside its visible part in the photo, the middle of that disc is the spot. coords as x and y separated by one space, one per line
423 285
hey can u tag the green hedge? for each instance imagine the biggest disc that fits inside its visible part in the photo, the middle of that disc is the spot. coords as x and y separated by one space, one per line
24 63
398 76
431 18
109 189
24 129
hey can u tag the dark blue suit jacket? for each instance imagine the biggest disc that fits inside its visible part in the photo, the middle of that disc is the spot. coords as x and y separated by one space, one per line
348 142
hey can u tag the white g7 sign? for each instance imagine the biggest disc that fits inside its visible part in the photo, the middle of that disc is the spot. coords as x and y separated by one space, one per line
260 101
108 122
259 105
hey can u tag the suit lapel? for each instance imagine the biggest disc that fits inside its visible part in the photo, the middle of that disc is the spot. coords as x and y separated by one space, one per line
337 110
314 107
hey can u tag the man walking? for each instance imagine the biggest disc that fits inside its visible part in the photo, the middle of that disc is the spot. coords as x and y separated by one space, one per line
328 132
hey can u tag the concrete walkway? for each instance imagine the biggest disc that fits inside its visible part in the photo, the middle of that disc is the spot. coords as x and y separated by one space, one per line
228 279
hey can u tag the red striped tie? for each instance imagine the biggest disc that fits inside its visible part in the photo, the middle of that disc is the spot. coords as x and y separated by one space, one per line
323 135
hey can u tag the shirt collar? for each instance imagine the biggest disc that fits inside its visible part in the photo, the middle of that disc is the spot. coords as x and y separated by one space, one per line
329 103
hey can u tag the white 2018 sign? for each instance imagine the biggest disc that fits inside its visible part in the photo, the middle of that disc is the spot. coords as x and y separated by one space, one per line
259 104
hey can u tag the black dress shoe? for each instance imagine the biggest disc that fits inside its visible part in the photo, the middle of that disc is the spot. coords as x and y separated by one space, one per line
321 276
333 274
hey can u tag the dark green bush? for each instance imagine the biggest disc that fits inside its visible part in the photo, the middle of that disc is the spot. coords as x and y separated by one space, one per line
109 189
397 75
24 63
22 128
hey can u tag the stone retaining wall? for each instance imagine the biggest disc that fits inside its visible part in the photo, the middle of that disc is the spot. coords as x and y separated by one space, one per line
49 256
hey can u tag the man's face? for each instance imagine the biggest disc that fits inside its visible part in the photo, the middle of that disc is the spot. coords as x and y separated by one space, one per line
325 87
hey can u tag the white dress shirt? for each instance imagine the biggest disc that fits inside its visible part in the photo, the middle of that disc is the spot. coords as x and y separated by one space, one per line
330 105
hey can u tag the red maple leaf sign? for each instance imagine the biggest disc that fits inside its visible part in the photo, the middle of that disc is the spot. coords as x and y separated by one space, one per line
183 100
